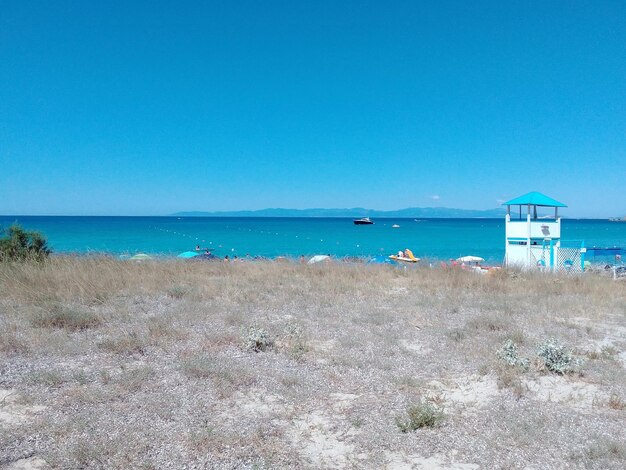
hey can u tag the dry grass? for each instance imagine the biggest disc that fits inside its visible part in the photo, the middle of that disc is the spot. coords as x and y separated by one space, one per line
616 402
111 364
70 319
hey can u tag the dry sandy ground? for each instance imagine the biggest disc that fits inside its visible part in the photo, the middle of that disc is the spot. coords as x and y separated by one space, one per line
106 364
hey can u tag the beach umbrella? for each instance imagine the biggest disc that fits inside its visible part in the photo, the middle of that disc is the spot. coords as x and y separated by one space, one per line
470 259
188 254
318 259
140 257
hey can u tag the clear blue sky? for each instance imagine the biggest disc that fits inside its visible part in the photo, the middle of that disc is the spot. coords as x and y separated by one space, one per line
147 108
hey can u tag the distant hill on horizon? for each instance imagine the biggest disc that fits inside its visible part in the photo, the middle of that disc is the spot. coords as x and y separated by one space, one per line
426 212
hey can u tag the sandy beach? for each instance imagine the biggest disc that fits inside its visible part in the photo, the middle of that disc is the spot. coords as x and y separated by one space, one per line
110 364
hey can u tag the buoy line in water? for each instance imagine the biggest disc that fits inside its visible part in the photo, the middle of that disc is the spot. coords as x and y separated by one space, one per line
241 230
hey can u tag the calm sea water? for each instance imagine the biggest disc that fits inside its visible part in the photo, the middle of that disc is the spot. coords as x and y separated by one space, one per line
428 238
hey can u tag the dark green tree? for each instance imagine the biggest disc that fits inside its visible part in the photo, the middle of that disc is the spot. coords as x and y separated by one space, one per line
18 244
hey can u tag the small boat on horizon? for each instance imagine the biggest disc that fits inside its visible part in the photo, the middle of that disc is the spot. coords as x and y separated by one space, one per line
363 221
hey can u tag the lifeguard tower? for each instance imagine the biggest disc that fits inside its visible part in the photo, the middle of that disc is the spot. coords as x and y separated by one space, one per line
534 242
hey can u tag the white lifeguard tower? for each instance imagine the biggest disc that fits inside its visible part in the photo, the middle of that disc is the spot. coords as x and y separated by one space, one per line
534 242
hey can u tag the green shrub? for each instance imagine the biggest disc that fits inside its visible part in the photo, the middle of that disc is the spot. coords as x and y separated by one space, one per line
557 358
20 245
424 414
257 339
508 353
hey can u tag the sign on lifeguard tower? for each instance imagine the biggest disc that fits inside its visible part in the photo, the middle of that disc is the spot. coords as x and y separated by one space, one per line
533 241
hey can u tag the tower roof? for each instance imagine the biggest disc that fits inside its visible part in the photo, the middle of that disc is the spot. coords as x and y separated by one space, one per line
534 198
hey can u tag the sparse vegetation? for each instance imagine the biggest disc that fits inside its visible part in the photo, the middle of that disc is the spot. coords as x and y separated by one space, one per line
49 378
456 335
105 366
200 366
421 415
603 452
490 323
132 379
616 402
293 341
126 342
177 292
80 377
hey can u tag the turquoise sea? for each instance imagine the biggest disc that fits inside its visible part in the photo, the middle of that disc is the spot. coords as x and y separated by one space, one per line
434 239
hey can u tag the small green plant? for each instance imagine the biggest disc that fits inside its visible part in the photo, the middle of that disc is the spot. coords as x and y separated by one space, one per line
357 422
200 366
21 245
423 414
80 377
457 335
293 340
105 376
49 378
509 354
609 352
257 339
293 329
602 450
133 379
557 358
